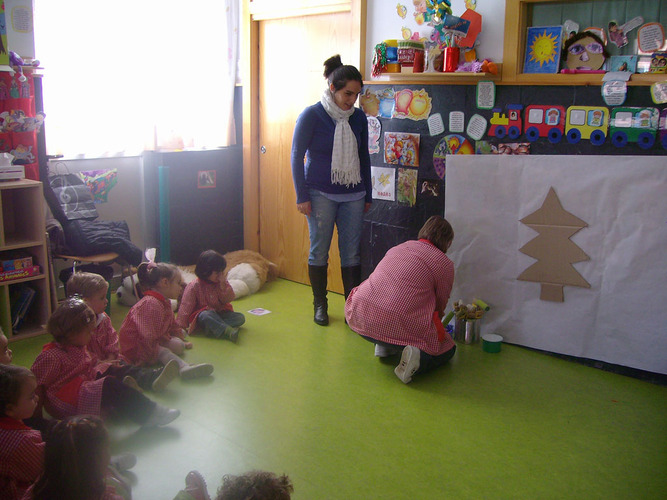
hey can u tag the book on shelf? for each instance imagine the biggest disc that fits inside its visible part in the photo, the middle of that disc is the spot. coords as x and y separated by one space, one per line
22 298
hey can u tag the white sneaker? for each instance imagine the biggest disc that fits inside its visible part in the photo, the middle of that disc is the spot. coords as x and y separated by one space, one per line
409 364
169 373
383 351
196 371
161 416
123 462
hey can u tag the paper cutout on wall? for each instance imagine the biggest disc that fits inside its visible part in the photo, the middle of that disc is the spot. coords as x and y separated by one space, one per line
452 144
383 181
100 182
415 105
406 188
554 250
401 148
370 103
374 131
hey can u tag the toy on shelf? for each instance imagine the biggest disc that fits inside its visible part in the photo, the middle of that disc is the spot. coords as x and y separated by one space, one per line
17 61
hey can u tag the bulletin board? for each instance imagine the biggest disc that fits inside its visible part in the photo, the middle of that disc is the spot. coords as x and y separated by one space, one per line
389 223
620 318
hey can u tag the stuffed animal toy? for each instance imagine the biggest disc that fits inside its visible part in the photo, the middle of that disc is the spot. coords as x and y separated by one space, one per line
246 272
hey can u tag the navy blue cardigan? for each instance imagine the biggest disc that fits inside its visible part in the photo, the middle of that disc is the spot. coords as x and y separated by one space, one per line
313 137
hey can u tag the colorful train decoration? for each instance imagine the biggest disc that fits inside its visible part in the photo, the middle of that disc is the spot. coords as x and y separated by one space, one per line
641 125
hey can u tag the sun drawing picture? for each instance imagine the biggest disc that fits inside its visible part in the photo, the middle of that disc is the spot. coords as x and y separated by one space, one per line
543 49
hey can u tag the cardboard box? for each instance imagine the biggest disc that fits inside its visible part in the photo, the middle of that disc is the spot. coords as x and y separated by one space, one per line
12 172
13 264
19 273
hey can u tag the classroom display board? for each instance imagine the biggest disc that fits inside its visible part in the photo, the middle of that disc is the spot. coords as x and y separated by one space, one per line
414 129
613 311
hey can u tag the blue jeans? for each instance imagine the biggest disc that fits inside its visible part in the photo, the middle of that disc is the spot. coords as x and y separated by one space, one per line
216 322
349 219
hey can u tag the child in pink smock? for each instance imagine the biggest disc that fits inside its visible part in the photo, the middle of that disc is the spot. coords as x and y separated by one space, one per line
21 448
67 376
104 344
76 464
400 306
149 334
206 300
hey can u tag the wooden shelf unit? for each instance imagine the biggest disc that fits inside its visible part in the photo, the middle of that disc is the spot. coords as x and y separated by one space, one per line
518 17
438 78
23 228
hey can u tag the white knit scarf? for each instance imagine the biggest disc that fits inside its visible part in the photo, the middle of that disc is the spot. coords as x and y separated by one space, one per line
344 157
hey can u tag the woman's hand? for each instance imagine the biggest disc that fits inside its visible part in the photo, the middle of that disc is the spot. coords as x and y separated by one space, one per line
304 208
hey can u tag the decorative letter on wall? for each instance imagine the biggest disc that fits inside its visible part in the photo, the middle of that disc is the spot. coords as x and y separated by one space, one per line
553 249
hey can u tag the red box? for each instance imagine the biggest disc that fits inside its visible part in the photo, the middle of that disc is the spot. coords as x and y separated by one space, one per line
19 273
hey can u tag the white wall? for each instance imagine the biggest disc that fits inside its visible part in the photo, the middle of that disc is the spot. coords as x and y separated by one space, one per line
383 23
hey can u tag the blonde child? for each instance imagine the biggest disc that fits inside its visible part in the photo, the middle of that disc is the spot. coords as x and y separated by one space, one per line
76 464
21 448
206 300
149 333
253 485
66 373
5 352
104 344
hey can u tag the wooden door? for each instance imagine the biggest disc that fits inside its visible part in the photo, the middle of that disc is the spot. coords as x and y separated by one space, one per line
291 53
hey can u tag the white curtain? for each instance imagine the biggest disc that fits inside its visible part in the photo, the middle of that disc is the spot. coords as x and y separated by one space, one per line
125 76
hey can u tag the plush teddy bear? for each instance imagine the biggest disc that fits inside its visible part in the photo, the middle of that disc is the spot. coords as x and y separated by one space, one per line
246 272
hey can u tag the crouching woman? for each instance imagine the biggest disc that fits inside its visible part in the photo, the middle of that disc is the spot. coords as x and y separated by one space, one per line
400 306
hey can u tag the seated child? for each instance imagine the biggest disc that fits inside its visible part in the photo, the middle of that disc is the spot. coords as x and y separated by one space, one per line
76 464
205 301
104 345
149 333
67 375
253 485
21 448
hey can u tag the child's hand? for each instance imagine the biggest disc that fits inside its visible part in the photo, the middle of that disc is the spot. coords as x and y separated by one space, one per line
188 345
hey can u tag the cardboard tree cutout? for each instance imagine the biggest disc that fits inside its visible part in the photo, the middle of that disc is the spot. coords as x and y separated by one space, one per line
553 249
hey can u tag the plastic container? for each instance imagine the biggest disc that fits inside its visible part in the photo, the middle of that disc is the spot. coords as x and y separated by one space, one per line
407 50
491 342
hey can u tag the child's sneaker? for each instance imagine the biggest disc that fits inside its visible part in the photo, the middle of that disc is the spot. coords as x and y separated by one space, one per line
196 371
123 462
169 373
131 382
161 416
231 333
383 351
409 364
195 486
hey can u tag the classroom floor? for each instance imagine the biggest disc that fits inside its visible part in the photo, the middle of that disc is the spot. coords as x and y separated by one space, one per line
314 403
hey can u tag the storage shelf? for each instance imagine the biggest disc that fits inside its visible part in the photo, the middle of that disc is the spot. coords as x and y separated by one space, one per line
582 79
457 78
34 277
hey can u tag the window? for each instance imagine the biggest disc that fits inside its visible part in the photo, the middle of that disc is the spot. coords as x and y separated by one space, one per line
129 75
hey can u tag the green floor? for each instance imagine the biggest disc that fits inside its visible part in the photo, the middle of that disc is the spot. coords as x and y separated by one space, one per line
314 403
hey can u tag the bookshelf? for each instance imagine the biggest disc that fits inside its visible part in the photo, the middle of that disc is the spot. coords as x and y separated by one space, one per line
23 231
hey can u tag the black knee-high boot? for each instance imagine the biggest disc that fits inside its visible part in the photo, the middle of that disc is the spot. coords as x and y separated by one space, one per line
351 278
318 281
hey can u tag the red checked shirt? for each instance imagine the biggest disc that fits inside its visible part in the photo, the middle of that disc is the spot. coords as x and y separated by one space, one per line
396 303
21 457
200 295
67 373
104 344
149 324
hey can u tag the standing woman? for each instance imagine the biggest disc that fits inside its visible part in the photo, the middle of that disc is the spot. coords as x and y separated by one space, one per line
334 185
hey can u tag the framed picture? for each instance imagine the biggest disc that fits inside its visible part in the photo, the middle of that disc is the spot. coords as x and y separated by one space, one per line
206 179
543 45
623 63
